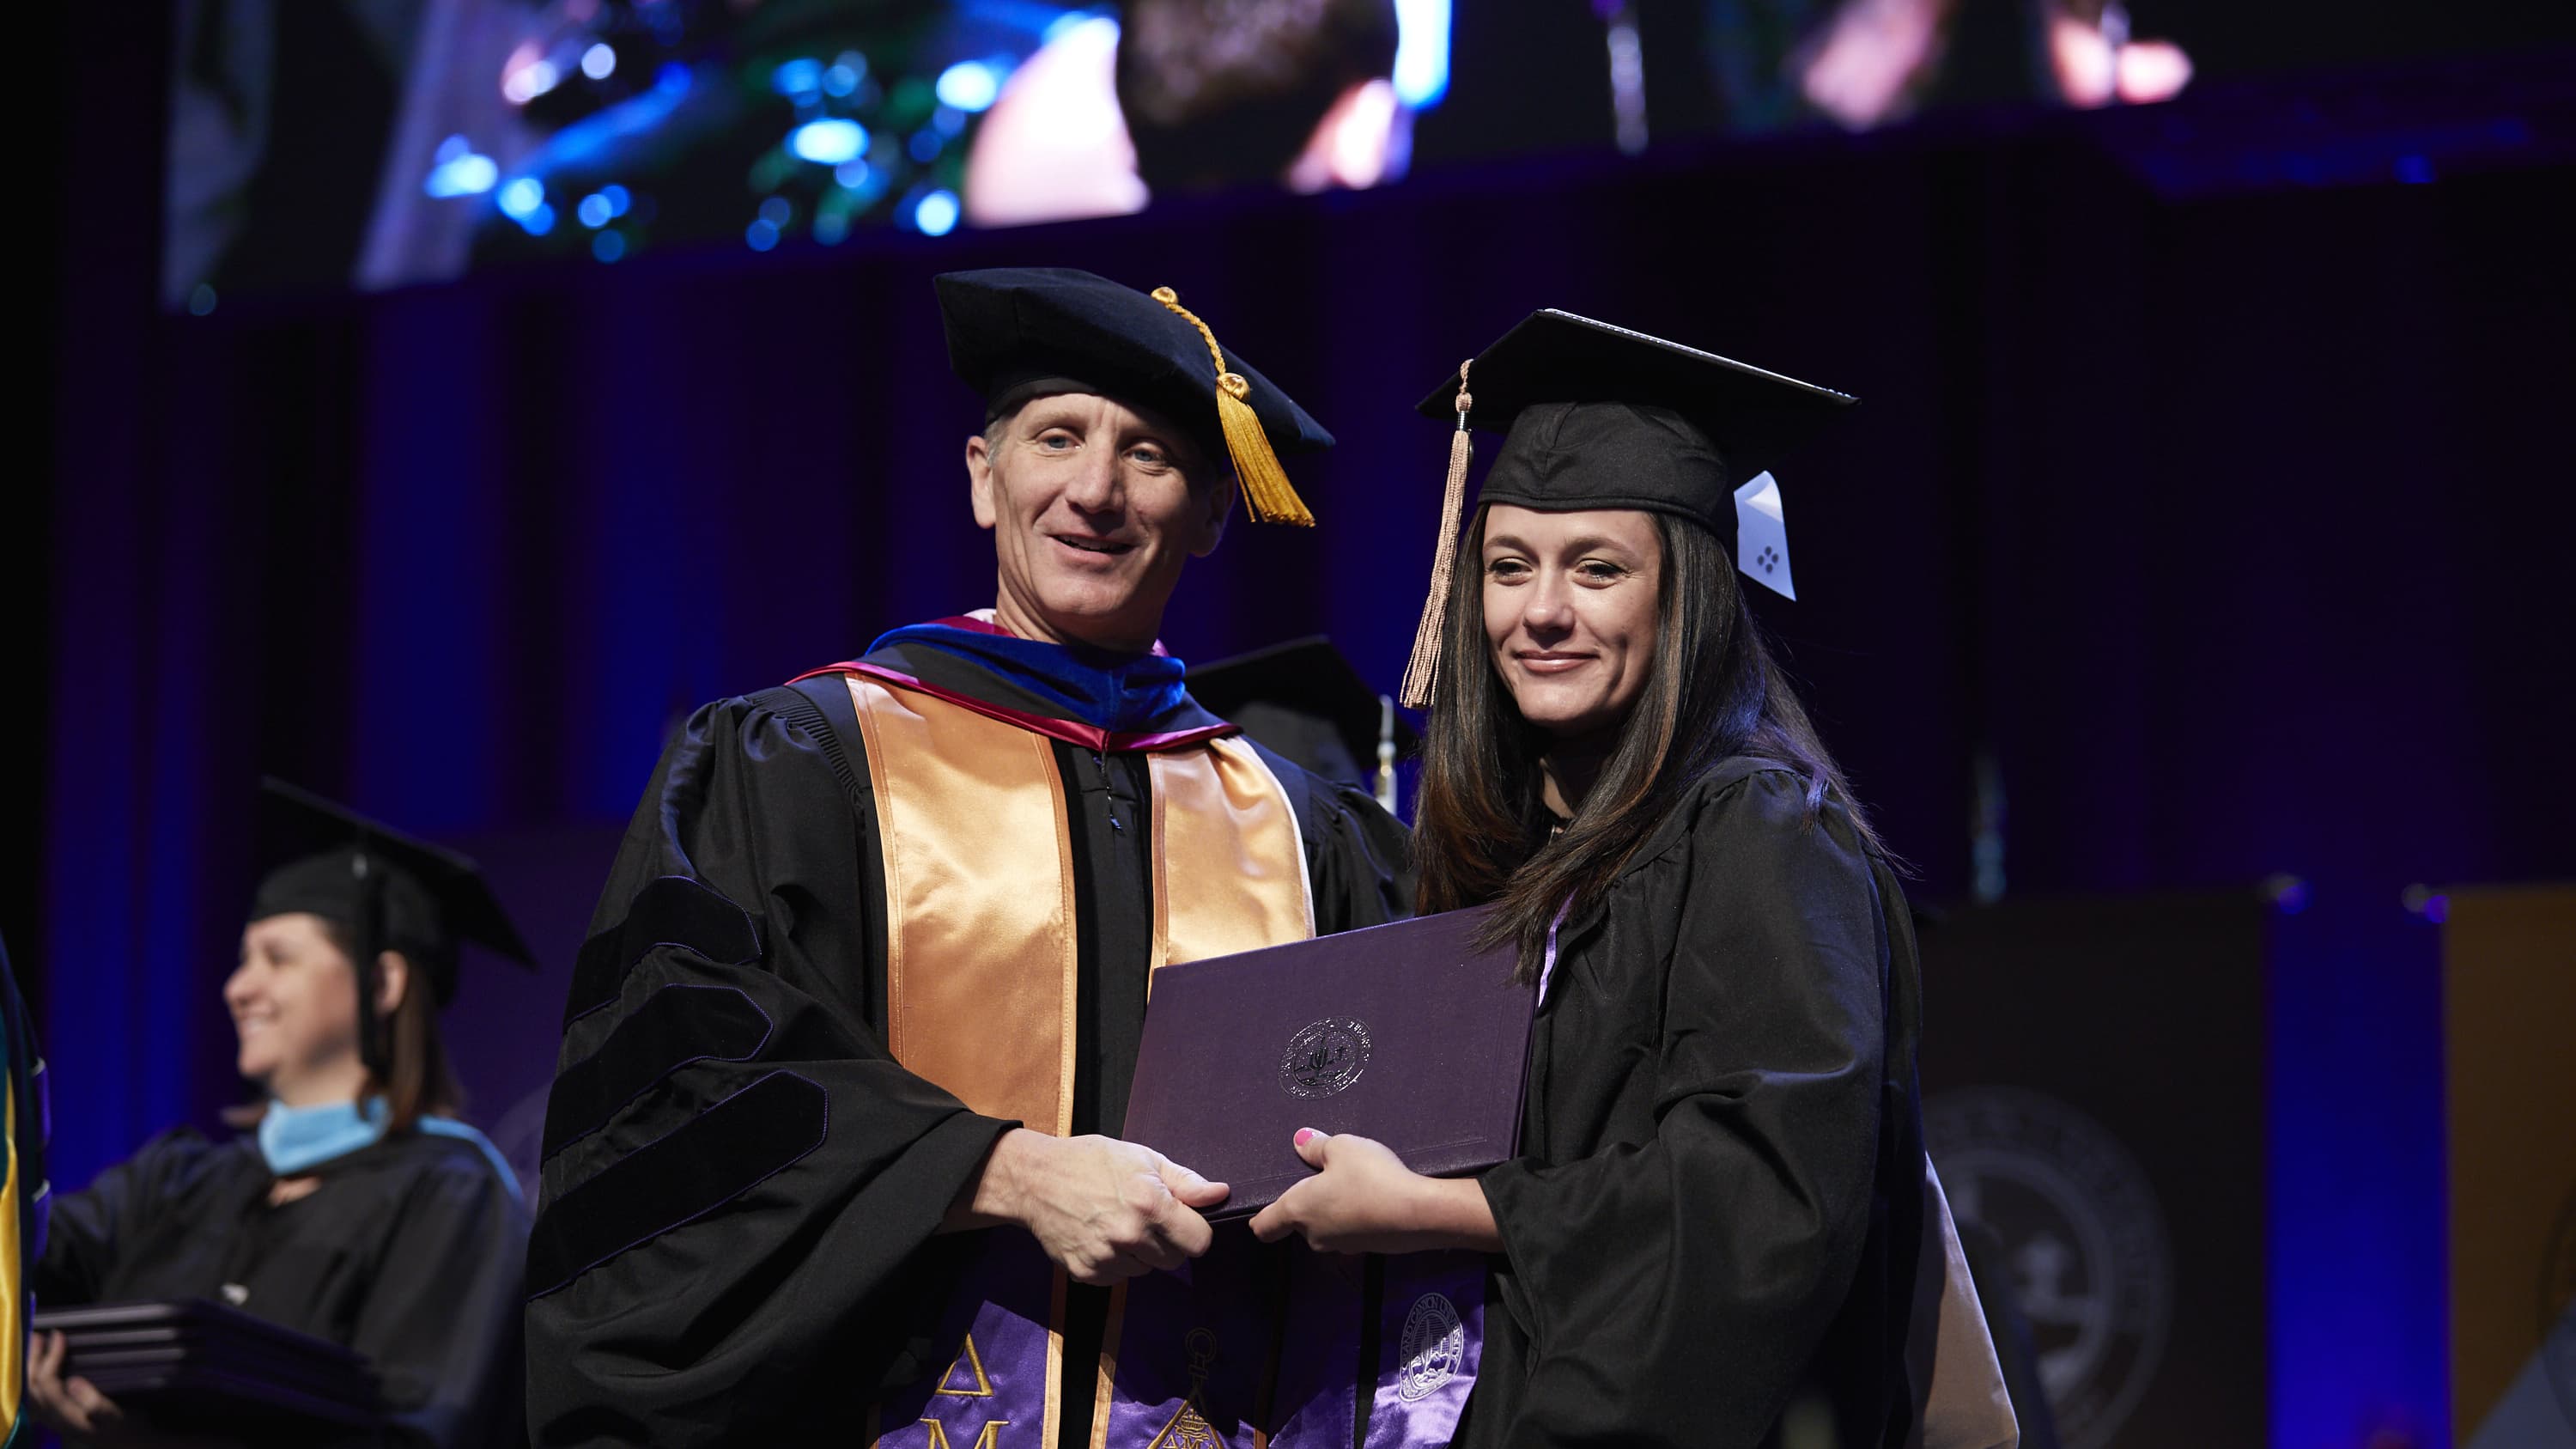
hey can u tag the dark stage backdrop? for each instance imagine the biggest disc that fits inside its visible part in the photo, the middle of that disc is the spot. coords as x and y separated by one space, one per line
2223 517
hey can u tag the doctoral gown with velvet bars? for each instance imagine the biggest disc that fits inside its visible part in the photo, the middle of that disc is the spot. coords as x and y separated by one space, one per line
408 1251
737 1239
1716 1212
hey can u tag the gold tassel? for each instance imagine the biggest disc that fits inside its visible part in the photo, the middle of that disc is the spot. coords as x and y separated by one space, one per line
1422 671
1267 494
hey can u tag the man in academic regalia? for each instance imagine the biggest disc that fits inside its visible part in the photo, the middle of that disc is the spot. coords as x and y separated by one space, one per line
832 1148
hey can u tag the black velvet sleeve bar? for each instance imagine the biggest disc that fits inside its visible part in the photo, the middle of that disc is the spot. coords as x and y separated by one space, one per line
1699 1209
761 1295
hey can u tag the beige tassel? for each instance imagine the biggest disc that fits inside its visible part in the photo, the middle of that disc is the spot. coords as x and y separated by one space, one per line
1267 494
1423 670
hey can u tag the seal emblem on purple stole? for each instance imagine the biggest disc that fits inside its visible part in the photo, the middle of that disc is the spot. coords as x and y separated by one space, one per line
1324 1058
1435 1344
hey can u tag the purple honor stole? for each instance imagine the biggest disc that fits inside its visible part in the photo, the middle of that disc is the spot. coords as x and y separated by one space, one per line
1244 1348
1197 1352
1430 1338
1000 1389
1250 1347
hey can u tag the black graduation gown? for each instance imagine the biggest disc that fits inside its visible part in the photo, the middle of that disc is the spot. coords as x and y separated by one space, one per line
408 1251
702 1274
1718 1206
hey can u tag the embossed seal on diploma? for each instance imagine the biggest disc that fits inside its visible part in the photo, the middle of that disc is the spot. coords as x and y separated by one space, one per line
1324 1057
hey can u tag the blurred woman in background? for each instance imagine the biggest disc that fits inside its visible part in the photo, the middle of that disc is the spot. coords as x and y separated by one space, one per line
357 1209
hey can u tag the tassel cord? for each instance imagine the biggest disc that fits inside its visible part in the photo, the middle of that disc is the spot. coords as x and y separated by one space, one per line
1422 671
1267 493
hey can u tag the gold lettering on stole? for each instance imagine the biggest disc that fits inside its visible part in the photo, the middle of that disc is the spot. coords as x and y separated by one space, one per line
1188 1427
972 1361
984 1438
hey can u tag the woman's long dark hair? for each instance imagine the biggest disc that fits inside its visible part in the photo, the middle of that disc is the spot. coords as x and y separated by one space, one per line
1482 835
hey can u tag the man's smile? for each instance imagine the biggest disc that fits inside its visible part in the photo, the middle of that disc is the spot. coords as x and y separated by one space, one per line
1083 543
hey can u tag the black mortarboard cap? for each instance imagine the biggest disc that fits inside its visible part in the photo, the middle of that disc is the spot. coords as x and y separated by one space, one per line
1306 701
1010 328
428 899
1598 416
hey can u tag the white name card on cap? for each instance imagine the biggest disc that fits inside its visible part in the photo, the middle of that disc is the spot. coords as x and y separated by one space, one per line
1762 536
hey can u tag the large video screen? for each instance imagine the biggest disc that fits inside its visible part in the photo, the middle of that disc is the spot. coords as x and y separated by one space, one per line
378 143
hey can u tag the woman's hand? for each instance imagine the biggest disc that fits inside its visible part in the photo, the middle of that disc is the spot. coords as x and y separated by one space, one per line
1365 1200
1102 1208
72 1405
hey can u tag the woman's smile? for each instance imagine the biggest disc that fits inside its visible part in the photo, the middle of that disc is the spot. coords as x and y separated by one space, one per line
1549 661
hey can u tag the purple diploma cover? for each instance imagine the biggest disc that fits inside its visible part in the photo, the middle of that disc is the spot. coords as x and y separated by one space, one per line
1406 1033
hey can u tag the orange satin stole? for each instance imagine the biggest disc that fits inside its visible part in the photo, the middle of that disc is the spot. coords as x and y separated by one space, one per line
980 956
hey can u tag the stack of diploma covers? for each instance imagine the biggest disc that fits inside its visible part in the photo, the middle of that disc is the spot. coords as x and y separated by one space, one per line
199 1367
1407 1033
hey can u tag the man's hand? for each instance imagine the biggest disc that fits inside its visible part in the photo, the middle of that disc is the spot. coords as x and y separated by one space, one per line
1365 1200
72 1405
1102 1208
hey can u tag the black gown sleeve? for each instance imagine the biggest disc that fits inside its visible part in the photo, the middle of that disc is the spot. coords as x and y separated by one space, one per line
441 1318
88 1230
1359 859
737 1172
1675 1287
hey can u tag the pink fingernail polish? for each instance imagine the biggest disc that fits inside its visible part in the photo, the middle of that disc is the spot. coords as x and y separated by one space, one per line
1304 1133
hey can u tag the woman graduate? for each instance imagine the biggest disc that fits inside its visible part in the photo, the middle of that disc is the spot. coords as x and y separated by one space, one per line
1711 1236
360 1210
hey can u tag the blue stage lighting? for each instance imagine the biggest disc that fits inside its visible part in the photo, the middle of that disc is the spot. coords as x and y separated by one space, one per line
799 77
829 143
466 175
1421 51
608 246
970 85
520 199
936 213
529 82
761 235
599 62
